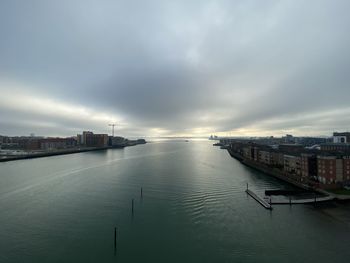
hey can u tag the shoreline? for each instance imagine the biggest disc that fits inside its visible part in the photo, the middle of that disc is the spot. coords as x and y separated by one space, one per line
279 175
61 152
268 171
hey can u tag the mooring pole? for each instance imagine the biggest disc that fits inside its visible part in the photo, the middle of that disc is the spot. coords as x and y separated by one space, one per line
315 200
132 206
141 192
115 239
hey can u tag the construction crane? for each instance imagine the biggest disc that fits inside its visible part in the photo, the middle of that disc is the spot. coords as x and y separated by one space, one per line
112 125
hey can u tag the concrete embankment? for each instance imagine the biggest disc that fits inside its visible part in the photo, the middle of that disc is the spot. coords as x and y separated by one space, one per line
51 153
69 151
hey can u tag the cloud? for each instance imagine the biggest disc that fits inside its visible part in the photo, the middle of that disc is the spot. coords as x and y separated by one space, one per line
179 68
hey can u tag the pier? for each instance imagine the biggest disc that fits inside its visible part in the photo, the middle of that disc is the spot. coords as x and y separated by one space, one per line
259 199
314 200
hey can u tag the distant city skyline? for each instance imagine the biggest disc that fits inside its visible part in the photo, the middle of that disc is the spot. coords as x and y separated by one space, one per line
184 68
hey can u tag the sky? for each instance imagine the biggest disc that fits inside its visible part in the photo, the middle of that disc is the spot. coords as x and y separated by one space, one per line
175 68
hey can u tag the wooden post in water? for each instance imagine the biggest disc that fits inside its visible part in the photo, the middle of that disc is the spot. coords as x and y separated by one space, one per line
132 206
141 192
315 200
115 239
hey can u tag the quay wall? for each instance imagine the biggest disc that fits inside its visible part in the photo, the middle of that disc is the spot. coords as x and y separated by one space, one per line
69 151
53 153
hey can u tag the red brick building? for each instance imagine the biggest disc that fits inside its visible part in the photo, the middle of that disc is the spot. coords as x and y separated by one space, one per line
90 139
265 157
308 166
57 143
330 169
346 169
292 165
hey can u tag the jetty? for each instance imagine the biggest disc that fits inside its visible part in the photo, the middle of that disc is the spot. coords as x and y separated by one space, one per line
314 200
259 199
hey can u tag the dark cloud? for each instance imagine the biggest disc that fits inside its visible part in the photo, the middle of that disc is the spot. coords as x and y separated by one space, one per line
185 67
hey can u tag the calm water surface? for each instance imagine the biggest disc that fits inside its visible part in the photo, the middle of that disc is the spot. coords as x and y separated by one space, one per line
194 209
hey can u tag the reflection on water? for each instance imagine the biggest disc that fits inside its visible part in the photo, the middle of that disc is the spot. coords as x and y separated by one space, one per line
193 209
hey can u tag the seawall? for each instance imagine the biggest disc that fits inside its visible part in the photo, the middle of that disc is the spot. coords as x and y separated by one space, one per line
53 153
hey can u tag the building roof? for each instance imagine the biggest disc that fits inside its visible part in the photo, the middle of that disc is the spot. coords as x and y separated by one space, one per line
335 144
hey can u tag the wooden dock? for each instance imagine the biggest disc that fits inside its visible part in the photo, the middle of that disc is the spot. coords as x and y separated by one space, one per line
259 199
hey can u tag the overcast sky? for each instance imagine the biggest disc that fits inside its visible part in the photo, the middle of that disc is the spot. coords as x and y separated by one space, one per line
173 68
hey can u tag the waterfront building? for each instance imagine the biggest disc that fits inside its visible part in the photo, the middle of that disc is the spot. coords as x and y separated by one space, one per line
117 141
10 146
292 164
335 147
255 153
341 137
346 170
31 144
5 139
277 159
313 141
89 139
21 143
330 169
290 148
288 139
57 143
79 139
265 157
38 143
308 166
100 140
247 152
86 137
